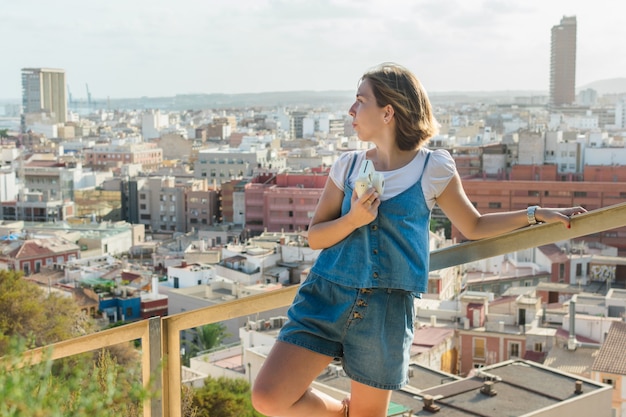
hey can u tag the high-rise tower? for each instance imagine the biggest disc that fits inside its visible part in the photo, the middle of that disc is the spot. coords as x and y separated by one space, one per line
44 91
563 63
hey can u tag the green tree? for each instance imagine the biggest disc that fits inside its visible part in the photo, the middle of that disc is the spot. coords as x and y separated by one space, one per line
437 224
102 389
209 336
28 312
31 317
224 397
204 338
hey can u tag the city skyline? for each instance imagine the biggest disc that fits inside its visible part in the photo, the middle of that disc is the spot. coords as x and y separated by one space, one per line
132 49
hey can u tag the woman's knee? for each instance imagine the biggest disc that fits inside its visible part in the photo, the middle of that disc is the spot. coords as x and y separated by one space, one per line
265 400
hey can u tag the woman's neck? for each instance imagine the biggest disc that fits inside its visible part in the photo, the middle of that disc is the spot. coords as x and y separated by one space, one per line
390 159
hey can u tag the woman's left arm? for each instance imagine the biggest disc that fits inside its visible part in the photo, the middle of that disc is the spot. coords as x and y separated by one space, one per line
473 225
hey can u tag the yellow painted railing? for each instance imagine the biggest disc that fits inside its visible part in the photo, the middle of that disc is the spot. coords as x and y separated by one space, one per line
160 336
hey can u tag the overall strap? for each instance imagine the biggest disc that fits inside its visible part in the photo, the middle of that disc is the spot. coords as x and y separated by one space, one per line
354 158
425 164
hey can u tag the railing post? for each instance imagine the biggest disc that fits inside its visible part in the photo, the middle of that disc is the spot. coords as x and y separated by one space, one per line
154 354
172 378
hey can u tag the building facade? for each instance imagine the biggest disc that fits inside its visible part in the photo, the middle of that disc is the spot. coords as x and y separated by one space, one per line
563 63
44 91
285 203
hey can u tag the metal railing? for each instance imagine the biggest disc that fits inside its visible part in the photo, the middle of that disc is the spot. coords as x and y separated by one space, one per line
160 336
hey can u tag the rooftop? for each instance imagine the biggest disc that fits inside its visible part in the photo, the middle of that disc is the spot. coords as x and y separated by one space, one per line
612 356
521 388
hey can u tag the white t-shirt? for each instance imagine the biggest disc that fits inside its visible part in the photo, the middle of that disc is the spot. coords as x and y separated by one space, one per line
439 171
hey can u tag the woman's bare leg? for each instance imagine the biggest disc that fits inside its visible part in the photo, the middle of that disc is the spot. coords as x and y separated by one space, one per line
282 388
366 401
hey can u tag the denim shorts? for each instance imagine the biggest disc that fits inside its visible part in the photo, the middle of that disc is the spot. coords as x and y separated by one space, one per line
371 330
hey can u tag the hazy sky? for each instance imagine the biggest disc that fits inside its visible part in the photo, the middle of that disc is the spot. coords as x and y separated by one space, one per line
133 48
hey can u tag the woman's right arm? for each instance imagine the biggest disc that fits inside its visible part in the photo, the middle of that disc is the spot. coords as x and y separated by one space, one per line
328 227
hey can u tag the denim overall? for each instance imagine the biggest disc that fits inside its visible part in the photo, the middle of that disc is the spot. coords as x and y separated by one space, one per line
357 303
390 252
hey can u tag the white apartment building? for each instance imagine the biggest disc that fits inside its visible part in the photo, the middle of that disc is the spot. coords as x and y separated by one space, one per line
620 114
531 148
569 157
8 186
223 165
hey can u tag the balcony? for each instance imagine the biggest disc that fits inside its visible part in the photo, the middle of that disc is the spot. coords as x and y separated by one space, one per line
160 336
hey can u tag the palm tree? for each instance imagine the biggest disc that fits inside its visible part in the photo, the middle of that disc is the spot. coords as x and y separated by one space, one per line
204 338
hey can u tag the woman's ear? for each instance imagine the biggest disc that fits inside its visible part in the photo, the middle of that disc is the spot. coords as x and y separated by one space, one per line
388 113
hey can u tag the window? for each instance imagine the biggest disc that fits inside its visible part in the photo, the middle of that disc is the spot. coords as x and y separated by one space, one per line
129 312
479 347
538 347
579 269
608 381
495 205
514 349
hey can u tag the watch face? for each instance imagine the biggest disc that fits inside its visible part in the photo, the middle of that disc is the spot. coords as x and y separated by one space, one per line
530 213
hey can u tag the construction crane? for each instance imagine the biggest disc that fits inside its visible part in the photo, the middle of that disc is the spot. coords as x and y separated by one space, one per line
88 96
69 97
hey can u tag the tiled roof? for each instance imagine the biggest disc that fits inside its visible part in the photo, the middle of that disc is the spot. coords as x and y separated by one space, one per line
41 247
578 362
612 356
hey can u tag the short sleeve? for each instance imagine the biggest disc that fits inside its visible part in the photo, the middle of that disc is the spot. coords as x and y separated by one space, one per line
439 171
339 169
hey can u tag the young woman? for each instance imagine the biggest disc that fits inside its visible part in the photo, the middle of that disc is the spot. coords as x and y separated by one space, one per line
357 303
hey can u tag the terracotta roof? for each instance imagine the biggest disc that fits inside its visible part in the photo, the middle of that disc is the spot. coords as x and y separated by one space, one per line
531 355
612 356
426 338
563 334
554 253
42 247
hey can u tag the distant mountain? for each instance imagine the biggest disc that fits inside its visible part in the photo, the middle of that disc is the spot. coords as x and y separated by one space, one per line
222 101
610 86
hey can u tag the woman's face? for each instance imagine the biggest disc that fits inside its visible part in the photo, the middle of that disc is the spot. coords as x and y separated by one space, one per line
367 116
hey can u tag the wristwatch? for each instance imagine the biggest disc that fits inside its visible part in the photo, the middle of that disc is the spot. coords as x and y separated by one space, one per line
530 214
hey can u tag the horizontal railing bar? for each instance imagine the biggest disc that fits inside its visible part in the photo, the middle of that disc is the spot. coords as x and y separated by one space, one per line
237 308
611 217
87 343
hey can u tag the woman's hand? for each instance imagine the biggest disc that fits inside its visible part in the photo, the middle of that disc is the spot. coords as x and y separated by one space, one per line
563 215
365 209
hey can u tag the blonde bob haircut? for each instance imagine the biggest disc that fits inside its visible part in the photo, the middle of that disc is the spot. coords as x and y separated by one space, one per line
398 87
